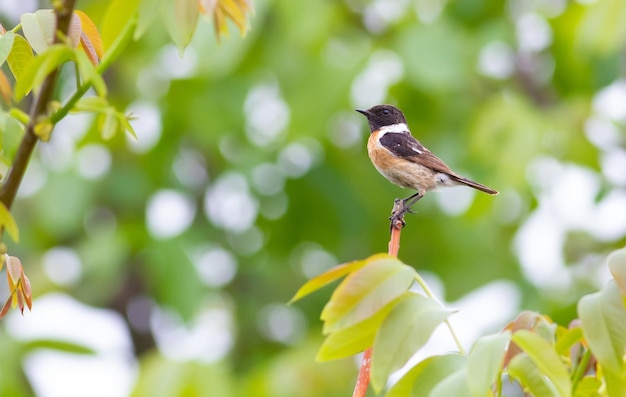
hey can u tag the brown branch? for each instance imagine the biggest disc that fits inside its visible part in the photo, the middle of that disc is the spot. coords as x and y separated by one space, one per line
363 380
63 11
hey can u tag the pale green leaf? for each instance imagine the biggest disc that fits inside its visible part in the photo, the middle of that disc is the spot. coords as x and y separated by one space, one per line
89 74
454 384
117 15
565 342
181 18
40 68
602 30
125 124
6 44
8 223
39 28
421 379
406 329
485 362
617 266
11 133
20 57
109 124
603 319
364 292
524 369
148 11
615 383
91 104
545 358
354 339
331 275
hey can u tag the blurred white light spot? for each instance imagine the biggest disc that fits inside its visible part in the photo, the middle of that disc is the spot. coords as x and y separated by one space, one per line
58 153
190 169
509 207
614 166
94 161
175 66
295 160
344 130
55 373
266 113
607 223
207 339
169 213
75 125
268 179
497 60
380 13
247 242
370 87
610 100
147 126
62 265
428 11
215 266
151 83
602 132
282 323
229 204
455 201
274 207
13 10
316 260
533 33
34 179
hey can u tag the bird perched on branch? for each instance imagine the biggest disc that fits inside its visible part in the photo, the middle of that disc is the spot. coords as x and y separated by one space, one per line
404 161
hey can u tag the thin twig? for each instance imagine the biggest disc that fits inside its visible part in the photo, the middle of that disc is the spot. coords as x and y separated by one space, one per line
363 380
63 11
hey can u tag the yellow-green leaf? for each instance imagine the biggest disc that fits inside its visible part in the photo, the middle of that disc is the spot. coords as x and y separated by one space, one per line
524 369
422 378
89 74
485 362
20 57
354 339
117 15
404 331
39 28
148 11
8 223
565 342
109 124
331 275
37 70
365 291
603 319
545 358
6 44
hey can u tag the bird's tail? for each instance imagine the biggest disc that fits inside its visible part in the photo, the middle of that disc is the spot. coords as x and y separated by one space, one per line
473 184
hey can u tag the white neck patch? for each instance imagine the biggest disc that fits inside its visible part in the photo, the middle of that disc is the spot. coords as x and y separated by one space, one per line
401 127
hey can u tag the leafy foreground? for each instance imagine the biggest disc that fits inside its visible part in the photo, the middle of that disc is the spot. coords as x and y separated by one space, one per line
373 306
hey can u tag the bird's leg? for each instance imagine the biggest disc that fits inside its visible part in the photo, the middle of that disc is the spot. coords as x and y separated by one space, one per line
401 207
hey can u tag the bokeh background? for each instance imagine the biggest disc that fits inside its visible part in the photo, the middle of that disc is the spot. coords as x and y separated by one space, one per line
162 266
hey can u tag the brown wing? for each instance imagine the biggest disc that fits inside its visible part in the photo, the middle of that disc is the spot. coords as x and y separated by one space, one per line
404 145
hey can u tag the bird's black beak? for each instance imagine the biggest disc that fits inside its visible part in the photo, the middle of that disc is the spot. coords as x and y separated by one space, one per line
363 112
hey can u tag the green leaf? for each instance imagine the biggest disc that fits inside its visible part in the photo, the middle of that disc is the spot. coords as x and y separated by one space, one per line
39 28
588 387
354 339
148 11
6 44
58 345
602 30
331 275
364 292
181 18
91 104
421 379
40 68
109 124
20 57
406 329
565 342
603 319
8 223
11 133
617 266
485 362
615 383
454 384
523 368
545 358
117 15
89 74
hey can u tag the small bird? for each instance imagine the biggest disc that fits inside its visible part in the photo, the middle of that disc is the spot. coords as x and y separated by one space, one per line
404 161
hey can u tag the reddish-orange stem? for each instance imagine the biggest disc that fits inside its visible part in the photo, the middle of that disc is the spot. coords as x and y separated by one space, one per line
362 382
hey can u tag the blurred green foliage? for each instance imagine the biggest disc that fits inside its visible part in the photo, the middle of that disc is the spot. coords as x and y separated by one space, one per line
296 77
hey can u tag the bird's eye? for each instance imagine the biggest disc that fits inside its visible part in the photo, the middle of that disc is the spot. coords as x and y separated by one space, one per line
386 112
